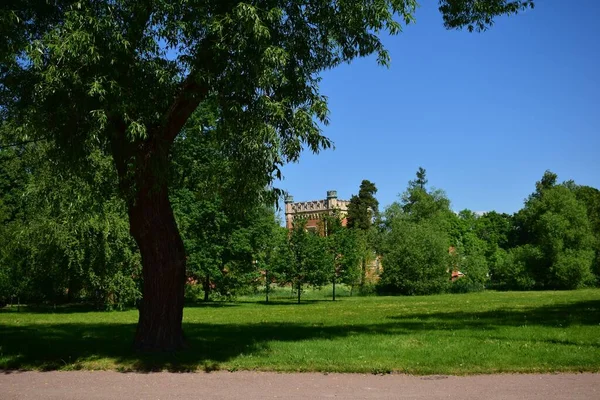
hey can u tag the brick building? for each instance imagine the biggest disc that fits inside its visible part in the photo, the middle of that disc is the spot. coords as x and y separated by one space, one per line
313 211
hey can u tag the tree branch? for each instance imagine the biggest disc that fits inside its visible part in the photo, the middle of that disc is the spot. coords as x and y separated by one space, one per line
190 96
6 146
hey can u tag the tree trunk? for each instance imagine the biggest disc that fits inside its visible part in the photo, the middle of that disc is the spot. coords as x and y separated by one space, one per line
206 288
363 277
299 291
154 229
333 287
163 260
267 284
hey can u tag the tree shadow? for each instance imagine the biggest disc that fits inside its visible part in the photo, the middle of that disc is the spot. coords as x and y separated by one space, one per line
555 315
70 345
212 304
285 302
69 308
56 346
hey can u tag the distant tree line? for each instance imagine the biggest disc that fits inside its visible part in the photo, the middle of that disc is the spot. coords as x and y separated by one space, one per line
65 237
553 242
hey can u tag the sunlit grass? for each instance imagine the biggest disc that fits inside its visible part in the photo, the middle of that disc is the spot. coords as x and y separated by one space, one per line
448 334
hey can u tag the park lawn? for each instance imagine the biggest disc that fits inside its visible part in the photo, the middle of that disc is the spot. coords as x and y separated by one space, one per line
486 332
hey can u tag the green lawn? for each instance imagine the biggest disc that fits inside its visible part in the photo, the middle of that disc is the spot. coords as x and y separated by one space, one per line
447 334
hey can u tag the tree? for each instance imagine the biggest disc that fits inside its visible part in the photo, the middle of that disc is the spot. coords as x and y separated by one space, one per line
547 182
468 254
362 210
125 76
222 221
419 234
590 197
419 203
364 207
305 261
344 253
66 237
494 229
421 180
415 259
555 234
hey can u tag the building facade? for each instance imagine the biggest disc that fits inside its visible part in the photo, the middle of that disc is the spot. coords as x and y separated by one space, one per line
313 211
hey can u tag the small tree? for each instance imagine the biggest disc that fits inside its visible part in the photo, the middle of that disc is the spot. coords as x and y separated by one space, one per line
344 253
305 260
363 209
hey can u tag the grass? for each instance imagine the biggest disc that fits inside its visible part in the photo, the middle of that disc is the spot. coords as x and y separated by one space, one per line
448 334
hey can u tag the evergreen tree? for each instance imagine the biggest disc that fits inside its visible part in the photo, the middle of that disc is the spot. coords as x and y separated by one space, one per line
363 207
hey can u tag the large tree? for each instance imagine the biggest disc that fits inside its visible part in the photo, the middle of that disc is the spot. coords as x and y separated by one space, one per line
363 207
590 197
556 238
126 75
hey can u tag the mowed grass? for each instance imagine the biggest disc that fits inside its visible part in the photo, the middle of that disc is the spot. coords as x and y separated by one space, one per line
449 334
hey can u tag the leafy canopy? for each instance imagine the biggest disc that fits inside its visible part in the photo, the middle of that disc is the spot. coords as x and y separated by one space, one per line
126 75
363 207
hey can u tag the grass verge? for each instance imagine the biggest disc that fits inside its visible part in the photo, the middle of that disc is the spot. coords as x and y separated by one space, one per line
488 332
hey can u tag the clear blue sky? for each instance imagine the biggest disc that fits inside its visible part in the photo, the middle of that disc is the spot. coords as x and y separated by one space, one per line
486 114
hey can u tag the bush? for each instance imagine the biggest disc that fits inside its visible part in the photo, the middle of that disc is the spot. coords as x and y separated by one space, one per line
571 270
510 269
415 258
466 285
193 293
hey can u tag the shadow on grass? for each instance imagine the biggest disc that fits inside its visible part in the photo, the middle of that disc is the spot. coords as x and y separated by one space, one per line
285 302
56 309
212 304
58 346
557 315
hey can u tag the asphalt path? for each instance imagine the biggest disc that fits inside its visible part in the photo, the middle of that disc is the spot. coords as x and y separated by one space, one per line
263 385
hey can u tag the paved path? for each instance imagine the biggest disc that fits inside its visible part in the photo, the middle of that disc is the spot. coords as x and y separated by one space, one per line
256 385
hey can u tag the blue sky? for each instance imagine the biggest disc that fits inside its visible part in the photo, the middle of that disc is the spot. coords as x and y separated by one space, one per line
486 114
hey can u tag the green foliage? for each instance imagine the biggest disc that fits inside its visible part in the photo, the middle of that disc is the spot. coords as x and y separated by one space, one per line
415 259
468 252
590 197
417 237
67 237
208 98
363 218
420 204
343 250
303 259
494 229
478 15
510 270
557 242
225 225
363 207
